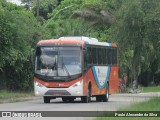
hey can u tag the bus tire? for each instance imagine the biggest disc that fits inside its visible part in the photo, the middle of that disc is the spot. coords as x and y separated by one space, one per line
66 99
71 100
99 98
46 99
86 99
106 96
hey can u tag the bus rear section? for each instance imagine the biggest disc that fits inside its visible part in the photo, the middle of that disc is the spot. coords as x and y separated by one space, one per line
64 69
101 70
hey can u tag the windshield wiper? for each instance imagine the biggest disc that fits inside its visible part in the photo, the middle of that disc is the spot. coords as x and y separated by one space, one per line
66 69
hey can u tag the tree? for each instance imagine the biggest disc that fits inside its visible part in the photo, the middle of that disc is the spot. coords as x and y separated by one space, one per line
95 13
19 32
41 8
135 21
132 27
60 22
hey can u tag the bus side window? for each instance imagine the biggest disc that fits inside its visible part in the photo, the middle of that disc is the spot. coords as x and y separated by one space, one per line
104 56
114 54
86 58
101 53
106 52
89 55
94 55
100 56
97 56
109 56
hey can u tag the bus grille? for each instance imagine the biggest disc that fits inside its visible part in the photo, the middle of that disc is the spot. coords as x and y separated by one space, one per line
57 92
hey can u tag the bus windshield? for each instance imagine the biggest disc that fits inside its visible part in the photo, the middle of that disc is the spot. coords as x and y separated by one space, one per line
58 61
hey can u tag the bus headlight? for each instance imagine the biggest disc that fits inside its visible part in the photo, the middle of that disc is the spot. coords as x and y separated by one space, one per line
36 92
38 84
77 84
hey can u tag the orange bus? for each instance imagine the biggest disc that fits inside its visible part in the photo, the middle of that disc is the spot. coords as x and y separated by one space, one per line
71 67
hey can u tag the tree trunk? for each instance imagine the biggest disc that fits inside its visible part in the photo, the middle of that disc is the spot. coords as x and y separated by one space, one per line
38 9
135 66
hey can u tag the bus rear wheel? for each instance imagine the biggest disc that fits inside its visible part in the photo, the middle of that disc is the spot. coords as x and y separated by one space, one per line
106 96
46 99
99 98
103 98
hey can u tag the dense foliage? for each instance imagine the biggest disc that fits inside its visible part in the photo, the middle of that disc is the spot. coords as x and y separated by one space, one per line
19 31
133 24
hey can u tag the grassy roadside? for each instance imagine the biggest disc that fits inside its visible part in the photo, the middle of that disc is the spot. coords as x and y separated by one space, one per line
10 96
150 89
151 105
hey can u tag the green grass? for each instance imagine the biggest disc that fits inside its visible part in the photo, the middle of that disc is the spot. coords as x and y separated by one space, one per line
10 96
151 105
150 89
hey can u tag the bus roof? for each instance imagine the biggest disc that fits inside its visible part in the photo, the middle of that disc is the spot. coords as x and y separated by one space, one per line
76 40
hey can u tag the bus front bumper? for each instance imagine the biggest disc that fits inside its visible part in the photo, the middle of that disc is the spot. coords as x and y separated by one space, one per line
74 90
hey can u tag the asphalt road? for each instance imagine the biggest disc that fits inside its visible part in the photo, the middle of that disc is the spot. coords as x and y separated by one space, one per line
115 101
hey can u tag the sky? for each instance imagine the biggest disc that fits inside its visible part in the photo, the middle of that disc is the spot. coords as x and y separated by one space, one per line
18 2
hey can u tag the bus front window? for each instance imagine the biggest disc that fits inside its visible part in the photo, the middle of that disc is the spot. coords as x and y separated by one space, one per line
58 61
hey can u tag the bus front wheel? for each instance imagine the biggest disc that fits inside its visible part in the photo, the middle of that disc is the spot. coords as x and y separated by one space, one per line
46 99
86 99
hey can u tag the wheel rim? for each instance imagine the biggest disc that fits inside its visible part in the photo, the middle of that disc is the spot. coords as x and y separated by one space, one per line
107 94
